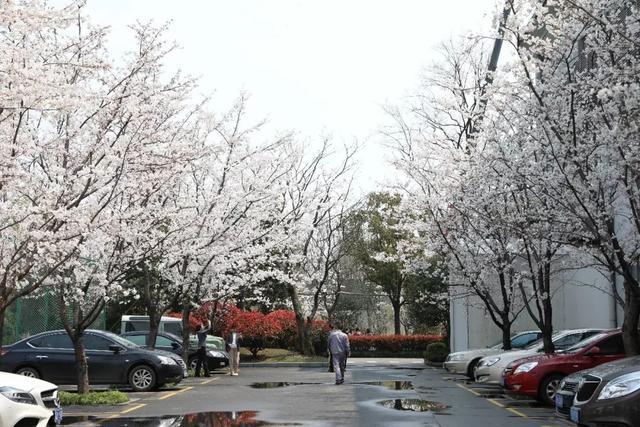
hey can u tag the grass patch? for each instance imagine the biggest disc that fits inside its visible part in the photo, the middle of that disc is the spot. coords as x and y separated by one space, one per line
111 397
271 355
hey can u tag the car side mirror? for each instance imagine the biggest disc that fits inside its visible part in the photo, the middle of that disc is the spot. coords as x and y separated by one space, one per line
175 345
115 348
593 351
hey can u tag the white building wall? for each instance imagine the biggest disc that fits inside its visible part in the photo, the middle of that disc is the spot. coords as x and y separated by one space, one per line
581 298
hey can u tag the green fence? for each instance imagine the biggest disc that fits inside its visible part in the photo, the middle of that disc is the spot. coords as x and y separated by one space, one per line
32 315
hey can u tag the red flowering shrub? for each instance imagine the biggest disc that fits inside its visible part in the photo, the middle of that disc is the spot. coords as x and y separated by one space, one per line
392 343
257 330
224 315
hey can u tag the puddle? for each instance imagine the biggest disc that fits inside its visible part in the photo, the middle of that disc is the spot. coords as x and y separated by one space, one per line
391 385
278 384
202 419
415 405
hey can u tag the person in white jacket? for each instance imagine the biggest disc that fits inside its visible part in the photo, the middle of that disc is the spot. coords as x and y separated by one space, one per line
338 344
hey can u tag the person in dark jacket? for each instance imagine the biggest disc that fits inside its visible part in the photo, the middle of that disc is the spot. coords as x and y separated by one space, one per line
202 349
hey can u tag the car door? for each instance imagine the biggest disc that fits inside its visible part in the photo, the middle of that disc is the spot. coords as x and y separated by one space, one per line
610 349
166 344
105 365
54 357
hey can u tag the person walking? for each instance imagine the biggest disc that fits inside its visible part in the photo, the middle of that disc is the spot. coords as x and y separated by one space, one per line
202 349
338 343
233 347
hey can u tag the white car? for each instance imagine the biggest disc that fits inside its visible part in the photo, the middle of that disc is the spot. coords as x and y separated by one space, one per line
489 369
464 362
27 400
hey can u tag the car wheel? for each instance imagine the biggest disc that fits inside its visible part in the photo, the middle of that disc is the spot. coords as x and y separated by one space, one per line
28 372
142 378
471 370
548 389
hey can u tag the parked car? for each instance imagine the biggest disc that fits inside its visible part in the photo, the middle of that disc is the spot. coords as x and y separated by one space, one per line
489 369
111 359
216 357
539 376
172 325
28 402
609 392
131 323
464 362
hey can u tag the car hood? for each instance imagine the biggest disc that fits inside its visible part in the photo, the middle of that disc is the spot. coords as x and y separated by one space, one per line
482 352
24 383
509 356
612 370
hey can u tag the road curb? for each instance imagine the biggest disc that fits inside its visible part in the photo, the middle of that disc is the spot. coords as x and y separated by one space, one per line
285 365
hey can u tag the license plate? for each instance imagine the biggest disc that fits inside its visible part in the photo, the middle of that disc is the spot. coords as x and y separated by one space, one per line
57 415
575 414
559 400
223 364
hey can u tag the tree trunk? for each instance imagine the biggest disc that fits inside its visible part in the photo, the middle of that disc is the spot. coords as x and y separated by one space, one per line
154 325
397 325
2 312
506 333
630 322
81 364
186 312
303 340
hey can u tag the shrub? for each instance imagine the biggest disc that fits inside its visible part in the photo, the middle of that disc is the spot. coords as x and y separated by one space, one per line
436 352
112 397
392 343
257 330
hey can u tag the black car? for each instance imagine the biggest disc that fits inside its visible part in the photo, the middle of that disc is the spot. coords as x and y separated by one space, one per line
608 394
217 358
111 359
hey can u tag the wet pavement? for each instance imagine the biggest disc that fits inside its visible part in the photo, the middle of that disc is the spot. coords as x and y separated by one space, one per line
404 393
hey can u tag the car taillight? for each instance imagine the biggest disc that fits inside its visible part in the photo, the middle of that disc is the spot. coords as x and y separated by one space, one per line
3 352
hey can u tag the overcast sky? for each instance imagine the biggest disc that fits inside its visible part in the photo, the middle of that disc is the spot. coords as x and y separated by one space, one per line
315 66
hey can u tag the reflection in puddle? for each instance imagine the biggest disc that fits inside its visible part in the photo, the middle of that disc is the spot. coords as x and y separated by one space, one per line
415 405
203 419
277 384
391 385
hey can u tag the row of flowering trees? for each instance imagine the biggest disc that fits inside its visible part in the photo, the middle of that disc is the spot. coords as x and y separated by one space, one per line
119 180
525 170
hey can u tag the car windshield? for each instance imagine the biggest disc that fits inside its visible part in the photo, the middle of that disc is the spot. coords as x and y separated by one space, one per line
585 343
120 340
538 343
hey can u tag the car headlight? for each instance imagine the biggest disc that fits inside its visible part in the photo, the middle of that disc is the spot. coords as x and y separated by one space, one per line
455 357
621 386
525 367
17 395
491 361
164 360
216 354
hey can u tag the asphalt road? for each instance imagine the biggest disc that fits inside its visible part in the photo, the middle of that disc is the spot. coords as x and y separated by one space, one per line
376 392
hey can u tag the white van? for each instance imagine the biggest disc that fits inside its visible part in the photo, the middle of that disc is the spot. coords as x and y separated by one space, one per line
130 323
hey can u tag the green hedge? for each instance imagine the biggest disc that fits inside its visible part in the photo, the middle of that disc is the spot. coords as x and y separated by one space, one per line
436 352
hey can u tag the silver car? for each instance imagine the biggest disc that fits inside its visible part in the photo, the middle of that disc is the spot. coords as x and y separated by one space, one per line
489 369
464 362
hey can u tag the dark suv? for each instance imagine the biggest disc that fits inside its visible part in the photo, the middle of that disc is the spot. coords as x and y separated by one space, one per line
111 359
216 358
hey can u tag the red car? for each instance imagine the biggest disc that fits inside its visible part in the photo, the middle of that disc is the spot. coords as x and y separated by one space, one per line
539 376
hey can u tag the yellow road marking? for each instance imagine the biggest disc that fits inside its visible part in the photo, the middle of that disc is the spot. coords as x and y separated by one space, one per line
209 380
495 402
518 413
173 393
468 389
133 408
